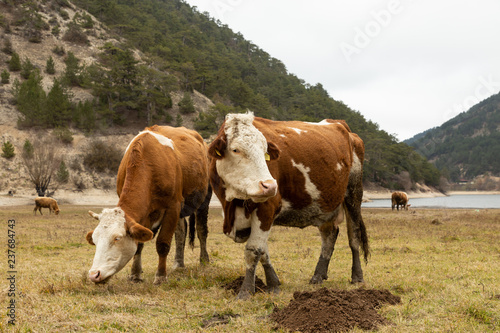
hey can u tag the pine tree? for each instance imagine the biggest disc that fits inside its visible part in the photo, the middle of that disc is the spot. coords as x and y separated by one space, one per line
62 175
186 105
28 149
58 106
26 68
15 63
8 150
31 98
71 75
50 66
5 77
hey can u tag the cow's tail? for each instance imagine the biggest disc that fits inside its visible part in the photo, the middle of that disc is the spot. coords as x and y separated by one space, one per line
356 227
192 230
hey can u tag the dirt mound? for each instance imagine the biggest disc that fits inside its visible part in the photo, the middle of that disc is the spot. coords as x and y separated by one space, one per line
235 285
329 310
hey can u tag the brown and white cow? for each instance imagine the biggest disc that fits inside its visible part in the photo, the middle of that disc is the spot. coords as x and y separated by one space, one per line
43 202
163 177
290 173
400 199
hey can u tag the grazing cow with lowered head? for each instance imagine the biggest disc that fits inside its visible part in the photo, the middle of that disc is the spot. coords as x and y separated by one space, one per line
400 199
293 174
50 203
163 177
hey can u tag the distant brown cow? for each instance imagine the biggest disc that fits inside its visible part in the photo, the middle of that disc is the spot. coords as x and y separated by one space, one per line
49 203
400 199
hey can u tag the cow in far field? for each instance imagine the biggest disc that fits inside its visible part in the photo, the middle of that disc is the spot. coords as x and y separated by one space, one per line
42 202
162 178
288 173
400 199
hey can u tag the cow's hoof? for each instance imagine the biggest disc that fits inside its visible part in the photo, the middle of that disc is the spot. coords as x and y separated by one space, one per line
178 265
357 280
159 280
273 290
317 279
243 295
135 278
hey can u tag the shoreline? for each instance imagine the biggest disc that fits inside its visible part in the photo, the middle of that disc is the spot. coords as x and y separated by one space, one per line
100 198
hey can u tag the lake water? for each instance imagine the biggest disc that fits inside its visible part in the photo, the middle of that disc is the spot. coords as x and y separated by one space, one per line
452 201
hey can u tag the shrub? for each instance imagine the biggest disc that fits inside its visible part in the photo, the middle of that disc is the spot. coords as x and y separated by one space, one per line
101 157
63 134
75 35
7 46
8 150
59 50
5 77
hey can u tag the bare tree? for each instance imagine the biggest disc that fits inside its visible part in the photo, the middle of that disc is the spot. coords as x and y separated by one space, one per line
41 160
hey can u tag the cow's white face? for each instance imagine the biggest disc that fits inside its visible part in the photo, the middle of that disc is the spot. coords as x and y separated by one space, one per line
116 243
242 164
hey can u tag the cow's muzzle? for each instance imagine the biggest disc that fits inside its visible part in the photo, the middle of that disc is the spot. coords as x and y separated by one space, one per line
96 277
268 188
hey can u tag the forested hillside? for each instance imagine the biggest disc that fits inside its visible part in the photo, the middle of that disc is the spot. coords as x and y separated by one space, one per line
467 145
184 51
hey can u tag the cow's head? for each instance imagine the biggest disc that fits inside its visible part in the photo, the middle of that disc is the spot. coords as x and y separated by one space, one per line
241 152
116 239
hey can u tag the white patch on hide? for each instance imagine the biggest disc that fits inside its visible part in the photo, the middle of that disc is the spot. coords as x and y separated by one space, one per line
298 130
339 166
240 222
321 123
310 188
356 164
258 239
161 139
283 135
285 205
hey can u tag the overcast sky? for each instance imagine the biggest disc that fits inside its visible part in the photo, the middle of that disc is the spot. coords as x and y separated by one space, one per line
408 65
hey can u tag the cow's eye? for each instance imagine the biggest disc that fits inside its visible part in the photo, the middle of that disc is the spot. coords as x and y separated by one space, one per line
117 239
236 151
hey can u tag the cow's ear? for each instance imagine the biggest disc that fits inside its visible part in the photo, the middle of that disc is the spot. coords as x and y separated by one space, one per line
137 231
273 151
94 215
89 237
218 146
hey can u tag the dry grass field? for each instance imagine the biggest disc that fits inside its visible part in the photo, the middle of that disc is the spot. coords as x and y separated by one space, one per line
445 265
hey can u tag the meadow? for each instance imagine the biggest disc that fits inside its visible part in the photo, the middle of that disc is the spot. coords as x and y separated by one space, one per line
443 263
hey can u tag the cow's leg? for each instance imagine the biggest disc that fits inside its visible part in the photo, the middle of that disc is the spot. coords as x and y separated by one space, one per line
256 247
136 271
34 210
202 230
329 233
272 279
180 243
164 241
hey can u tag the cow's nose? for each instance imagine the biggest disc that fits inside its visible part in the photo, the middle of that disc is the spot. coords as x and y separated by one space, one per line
268 187
95 277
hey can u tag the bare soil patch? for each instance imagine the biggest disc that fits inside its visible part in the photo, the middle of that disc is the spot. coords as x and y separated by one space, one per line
235 285
330 310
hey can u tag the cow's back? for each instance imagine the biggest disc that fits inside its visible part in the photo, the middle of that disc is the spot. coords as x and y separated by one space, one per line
164 160
315 161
